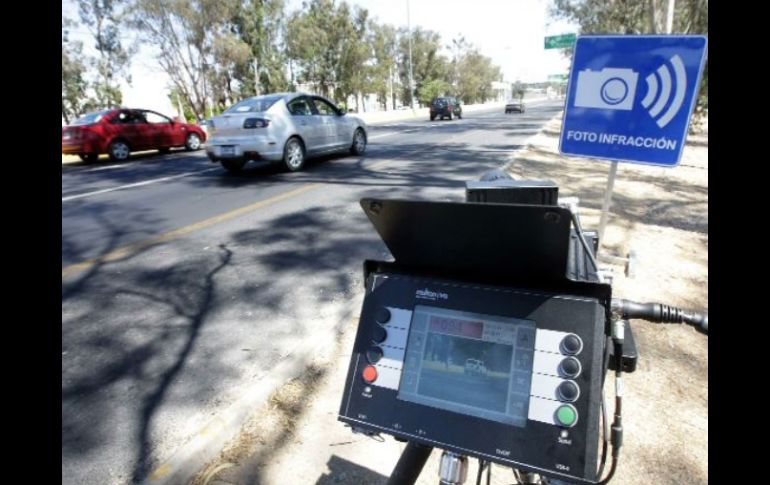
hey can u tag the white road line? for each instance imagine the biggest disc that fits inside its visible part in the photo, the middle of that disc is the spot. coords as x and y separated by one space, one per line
137 184
394 133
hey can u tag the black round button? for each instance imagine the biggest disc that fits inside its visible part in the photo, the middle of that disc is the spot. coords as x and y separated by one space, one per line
568 391
379 334
382 316
569 367
571 344
374 354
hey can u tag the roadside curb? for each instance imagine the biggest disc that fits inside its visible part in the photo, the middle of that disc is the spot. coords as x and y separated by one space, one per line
187 461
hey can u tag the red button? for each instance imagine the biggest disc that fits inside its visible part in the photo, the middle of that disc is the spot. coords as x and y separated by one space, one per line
370 374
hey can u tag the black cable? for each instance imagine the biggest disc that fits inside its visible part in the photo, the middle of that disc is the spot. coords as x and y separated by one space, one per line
658 313
489 473
616 438
481 470
613 467
605 437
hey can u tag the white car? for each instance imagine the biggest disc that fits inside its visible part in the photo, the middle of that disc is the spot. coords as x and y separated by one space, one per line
283 127
475 367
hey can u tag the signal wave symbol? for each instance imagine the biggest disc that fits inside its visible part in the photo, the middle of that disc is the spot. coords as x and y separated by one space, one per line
675 95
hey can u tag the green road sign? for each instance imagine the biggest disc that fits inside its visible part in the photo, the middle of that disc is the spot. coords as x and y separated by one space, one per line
558 78
560 41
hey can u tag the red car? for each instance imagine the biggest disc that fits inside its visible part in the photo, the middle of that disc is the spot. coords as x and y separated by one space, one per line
118 132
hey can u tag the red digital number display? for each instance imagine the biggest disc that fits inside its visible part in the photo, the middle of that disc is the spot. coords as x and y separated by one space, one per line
453 326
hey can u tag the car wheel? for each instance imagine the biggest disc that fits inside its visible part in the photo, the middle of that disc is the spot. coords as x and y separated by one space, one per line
460 116
89 157
233 166
359 142
119 151
294 154
432 118
193 142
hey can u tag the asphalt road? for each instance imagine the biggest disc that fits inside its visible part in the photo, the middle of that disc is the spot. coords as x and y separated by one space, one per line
183 284
481 392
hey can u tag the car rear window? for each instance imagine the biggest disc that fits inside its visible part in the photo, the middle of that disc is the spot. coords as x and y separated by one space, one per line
439 102
90 118
260 103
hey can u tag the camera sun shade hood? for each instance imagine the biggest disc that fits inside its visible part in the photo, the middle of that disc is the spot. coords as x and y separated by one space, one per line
508 244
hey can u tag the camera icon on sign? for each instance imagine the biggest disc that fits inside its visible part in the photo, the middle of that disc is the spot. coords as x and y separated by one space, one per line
610 88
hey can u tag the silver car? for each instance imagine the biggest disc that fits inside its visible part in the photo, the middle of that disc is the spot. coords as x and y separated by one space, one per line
287 127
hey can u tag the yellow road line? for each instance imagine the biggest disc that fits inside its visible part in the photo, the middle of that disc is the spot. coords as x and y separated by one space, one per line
134 248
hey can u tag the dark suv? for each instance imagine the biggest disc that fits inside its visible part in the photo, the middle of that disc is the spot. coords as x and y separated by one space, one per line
445 107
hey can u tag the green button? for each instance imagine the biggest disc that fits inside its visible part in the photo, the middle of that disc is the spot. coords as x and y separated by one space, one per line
566 415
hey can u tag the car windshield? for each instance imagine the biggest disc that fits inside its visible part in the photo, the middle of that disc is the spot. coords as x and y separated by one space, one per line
90 118
260 103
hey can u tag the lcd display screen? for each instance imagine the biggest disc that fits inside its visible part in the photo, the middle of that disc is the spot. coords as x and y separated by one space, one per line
469 363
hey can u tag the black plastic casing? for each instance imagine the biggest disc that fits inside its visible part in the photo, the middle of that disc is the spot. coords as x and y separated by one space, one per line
536 447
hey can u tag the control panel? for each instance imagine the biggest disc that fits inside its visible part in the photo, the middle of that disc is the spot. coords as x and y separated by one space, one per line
506 375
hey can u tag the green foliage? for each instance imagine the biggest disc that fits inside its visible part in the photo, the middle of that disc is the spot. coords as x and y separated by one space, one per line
260 25
104 19
327 42
427 62
518 90
74 85
433 89
637 17
217 52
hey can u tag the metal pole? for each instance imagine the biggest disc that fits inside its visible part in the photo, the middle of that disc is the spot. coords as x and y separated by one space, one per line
411 80
607 200
410 464
670 17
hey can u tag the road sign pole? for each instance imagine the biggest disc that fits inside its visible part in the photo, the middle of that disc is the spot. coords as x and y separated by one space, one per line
607 201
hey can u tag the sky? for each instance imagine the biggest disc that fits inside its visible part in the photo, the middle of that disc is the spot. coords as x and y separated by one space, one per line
511 32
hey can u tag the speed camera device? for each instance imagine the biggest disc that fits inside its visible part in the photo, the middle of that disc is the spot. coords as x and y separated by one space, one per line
476 339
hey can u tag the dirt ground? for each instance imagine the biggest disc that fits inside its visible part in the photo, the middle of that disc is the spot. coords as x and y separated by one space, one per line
660 214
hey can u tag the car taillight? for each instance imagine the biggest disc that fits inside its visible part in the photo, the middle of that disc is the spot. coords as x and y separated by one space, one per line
250 123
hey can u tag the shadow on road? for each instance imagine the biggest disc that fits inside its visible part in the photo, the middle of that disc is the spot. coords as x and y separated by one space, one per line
342 471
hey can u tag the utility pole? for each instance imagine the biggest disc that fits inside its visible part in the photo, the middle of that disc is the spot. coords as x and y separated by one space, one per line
411 80
390 83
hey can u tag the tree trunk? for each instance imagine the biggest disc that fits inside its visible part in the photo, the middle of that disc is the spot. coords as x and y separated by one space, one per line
64 114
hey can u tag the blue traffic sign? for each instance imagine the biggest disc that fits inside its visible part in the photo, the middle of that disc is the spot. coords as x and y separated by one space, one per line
630 98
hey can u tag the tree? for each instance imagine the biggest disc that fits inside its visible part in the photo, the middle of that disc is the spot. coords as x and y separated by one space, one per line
518 90
476 76
104 19
74 86
185 34
427 62
433 89
229 56
637 17
382 39
260 24
326 41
